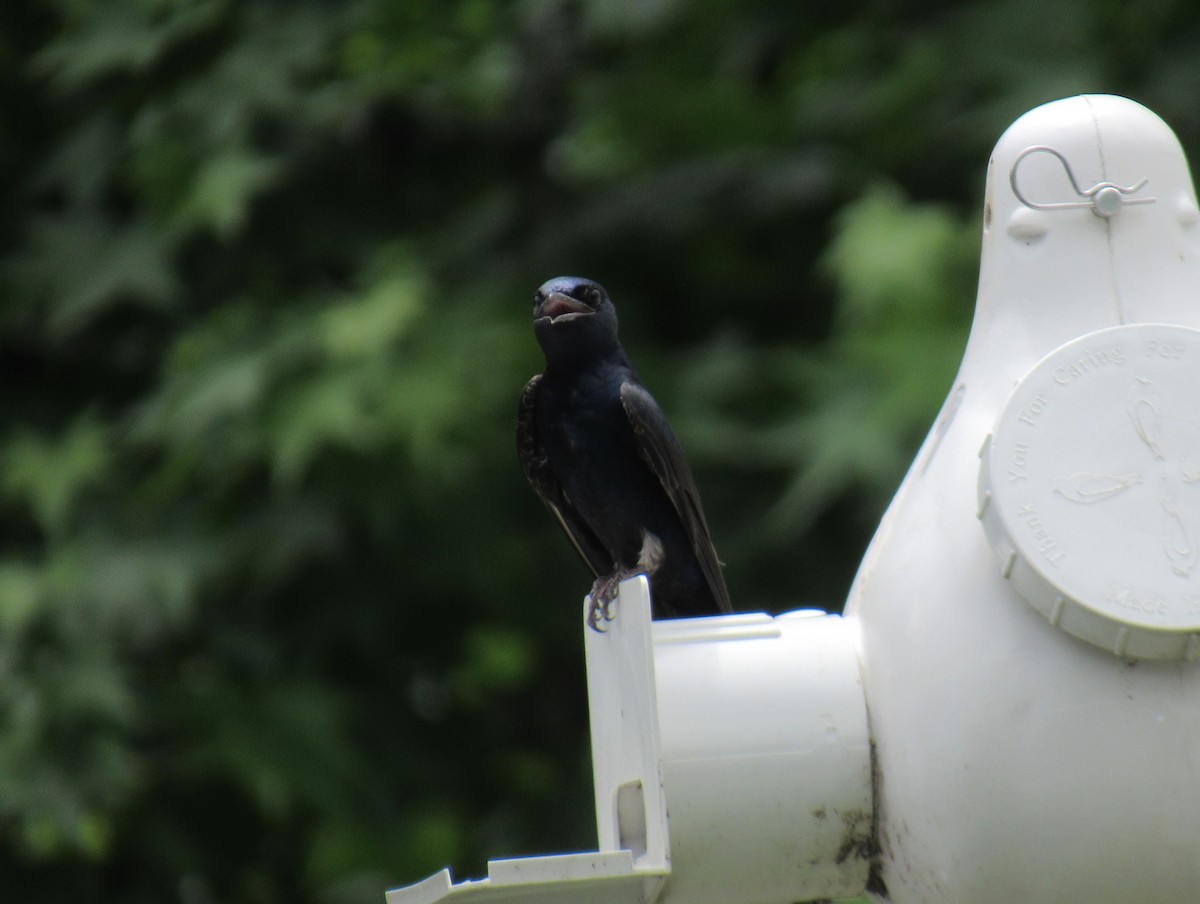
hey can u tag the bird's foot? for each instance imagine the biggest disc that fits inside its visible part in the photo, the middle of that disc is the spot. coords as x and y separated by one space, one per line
600 600
605 588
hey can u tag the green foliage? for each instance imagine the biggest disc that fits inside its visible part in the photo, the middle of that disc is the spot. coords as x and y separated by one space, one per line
279 620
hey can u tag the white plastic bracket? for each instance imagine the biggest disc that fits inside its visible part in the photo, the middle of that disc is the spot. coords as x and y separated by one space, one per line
631 808
631 811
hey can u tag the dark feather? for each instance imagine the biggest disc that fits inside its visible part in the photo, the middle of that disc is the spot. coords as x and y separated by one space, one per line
536 465
660 449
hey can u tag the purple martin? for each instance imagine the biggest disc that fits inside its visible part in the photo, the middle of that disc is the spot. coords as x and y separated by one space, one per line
599 452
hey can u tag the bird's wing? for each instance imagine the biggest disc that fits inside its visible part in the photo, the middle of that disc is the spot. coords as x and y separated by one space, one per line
536 465
660 449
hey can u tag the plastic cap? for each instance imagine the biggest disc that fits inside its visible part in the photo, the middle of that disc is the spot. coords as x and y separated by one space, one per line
1089 489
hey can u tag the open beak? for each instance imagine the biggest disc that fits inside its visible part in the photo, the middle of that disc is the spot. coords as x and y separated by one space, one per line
558 306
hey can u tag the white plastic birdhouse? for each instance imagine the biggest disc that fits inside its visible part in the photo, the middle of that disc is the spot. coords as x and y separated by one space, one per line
1028 612
1024 631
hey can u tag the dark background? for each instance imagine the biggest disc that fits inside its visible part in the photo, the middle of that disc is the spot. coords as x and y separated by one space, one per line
279 619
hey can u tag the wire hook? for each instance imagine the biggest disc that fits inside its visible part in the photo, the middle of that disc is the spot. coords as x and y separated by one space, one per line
1105 198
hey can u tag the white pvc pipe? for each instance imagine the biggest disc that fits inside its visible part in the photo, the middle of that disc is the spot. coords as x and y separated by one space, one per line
765 758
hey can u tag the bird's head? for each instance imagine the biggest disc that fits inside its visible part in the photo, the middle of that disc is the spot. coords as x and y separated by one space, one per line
574 318
568 298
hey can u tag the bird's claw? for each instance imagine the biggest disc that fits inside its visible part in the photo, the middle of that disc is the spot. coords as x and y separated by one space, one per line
598 611
600 600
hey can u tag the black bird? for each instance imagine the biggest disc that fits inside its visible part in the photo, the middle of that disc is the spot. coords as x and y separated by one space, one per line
598 450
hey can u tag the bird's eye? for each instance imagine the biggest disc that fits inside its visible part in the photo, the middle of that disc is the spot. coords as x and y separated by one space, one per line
591 295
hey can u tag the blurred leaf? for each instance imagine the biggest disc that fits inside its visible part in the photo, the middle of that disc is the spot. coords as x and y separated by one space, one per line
223 189
495 660
891 258
121 37
51 475
80 266
21 596
366 326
